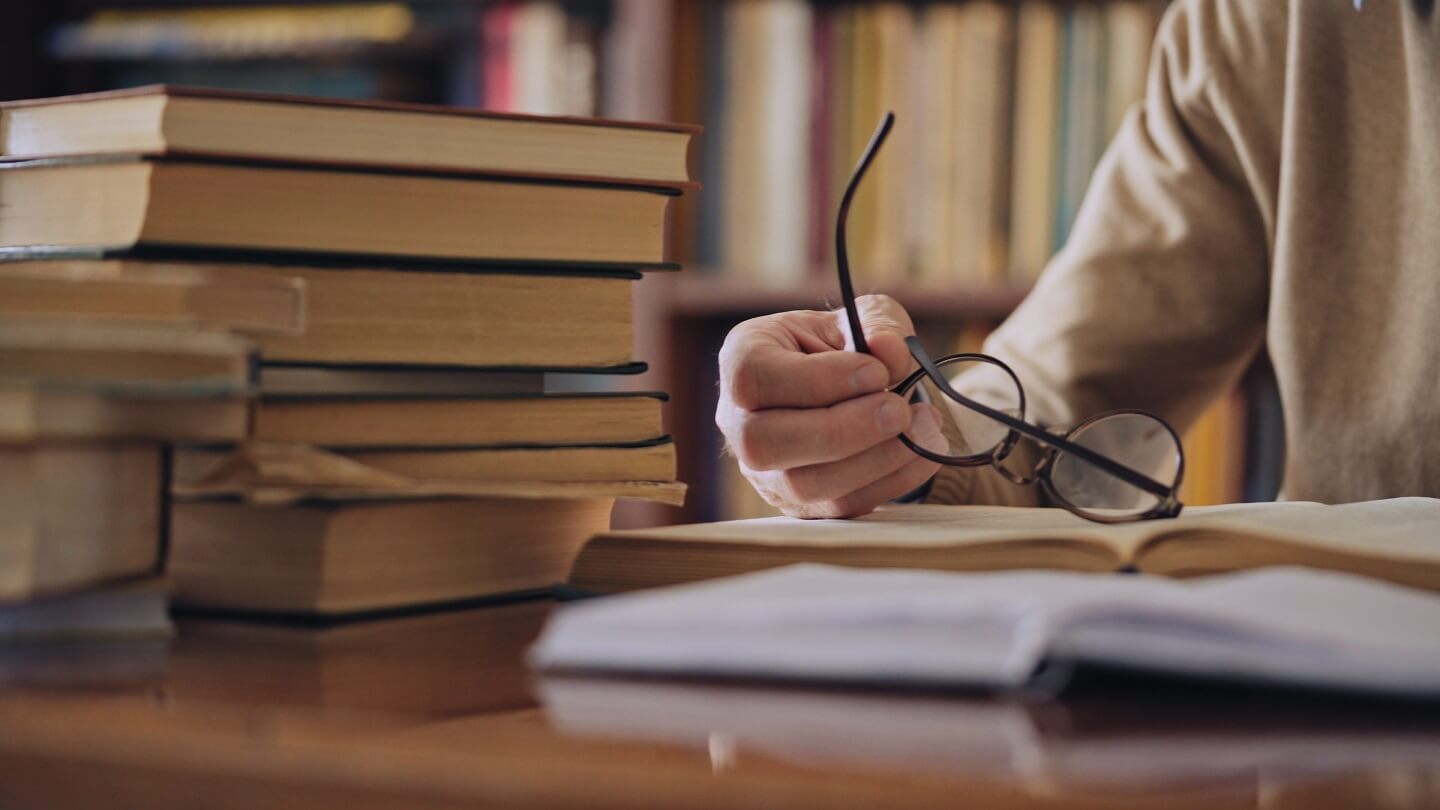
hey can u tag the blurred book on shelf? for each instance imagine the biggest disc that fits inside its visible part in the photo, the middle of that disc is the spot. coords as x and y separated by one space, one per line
537 58
232 32
351 50
1003 112
1215 454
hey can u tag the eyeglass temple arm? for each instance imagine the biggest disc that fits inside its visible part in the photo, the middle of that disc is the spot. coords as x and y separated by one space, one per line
842 257
1105 463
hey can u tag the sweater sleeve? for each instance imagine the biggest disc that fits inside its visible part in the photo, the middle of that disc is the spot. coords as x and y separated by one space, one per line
1158 300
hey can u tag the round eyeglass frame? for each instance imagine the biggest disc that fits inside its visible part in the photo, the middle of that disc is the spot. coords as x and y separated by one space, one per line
1041 474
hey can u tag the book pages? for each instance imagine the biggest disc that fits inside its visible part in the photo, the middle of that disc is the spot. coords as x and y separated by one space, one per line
898 627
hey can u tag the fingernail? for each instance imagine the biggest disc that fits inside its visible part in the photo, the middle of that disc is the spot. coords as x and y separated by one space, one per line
892 415
869 378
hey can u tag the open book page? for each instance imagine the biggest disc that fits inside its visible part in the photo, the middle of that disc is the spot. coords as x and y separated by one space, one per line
1396 539
912 525
1400 528
1280 625
910 536
816 622
1212 538
823 623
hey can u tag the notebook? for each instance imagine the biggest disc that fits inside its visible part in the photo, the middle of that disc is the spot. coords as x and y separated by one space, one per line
1396 540
1010 630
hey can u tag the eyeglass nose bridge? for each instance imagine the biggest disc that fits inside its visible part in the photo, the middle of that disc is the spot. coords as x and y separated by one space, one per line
910 387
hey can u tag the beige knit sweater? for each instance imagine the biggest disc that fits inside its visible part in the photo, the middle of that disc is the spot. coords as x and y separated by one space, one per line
1279 187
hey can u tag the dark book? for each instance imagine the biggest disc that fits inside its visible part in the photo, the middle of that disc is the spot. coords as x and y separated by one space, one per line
279 380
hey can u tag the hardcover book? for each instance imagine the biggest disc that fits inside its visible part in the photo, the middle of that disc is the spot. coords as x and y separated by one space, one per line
179 121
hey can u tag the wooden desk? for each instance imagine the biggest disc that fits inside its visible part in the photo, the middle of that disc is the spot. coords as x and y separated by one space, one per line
436 711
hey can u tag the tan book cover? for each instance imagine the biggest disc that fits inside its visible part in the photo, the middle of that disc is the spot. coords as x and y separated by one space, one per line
186 294
281 210
161 120
338 558
77 515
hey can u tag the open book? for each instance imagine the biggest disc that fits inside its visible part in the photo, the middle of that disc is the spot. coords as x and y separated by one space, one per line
1396 540
818 623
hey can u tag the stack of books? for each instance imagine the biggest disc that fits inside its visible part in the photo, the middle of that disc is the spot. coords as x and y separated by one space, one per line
403 449
100 370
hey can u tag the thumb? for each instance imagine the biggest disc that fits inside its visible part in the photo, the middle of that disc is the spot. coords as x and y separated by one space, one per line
886 326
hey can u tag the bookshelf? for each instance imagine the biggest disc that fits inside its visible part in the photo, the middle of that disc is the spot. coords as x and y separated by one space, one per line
1004 109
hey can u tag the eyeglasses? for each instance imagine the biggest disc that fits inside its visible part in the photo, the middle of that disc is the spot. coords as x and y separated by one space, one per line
1111 468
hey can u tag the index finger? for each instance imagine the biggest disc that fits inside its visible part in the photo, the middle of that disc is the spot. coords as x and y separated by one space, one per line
758 373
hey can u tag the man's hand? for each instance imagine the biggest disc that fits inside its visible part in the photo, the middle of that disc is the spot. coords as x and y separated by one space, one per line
811 420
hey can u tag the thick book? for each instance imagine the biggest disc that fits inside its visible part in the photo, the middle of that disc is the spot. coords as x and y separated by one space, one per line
374 316
651 460
346 558
251 303
249 209
377 316
441 421
1283 626
1396 540
77 514
159 120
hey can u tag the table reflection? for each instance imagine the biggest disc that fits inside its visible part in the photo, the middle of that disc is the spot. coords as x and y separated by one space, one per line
1117 739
